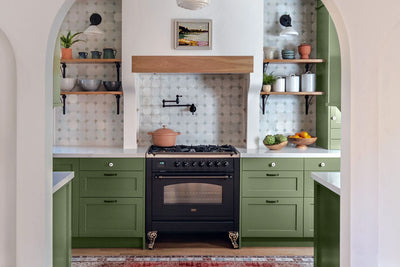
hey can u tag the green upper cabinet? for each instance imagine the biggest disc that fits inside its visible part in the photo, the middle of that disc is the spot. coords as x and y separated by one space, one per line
328 81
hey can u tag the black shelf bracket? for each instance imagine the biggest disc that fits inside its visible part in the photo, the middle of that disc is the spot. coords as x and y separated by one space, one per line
64 100
118 97
63 66
264 102
118 66
308 102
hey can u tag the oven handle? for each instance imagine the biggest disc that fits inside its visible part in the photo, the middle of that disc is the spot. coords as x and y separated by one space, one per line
194 177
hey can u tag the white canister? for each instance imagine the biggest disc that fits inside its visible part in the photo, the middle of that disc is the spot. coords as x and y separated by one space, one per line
292 83
308 82
279 84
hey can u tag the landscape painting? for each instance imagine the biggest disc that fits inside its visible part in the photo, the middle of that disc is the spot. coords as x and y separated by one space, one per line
192 34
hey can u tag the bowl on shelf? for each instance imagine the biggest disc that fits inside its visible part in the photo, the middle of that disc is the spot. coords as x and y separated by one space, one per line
89 84
302 143
277 146
67 84
112 85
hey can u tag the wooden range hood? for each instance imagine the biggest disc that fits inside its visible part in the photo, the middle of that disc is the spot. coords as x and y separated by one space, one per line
192 64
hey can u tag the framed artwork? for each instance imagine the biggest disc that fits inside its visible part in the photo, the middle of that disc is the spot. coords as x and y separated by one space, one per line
193 34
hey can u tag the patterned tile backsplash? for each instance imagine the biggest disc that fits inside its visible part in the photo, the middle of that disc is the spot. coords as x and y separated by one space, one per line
220 117
92 120
286 114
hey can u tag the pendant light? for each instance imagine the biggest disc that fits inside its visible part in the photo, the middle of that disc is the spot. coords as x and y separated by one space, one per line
286 21
95 19
192 4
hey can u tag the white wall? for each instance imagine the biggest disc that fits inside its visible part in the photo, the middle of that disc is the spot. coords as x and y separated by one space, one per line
148 30
369 166
8 143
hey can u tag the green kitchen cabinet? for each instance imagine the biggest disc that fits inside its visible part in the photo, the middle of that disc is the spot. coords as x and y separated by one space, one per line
62 227
328 115
111 217
111 164
308 217
71 164
272 164
272 217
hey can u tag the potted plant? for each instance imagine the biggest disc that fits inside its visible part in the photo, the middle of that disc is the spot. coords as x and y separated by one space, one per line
67 42
268 80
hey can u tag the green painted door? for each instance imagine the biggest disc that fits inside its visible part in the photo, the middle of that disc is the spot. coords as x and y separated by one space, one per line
272 217
71 164
62 227
272 183
308 217
111 217
111 184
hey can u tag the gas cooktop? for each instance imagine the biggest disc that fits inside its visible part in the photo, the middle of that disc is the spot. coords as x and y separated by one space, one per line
197 151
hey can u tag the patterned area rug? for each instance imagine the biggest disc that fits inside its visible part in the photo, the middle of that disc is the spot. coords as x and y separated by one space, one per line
195 261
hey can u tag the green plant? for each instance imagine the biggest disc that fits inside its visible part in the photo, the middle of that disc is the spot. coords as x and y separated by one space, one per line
67 41
269 78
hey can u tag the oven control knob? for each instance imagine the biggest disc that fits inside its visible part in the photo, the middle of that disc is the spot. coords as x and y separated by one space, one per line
177 163
209 163
225 164
202 163
185 164
218 163
194 163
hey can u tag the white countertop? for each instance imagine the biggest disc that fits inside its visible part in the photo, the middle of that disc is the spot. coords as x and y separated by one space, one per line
330 180
289 152
60 179
97 152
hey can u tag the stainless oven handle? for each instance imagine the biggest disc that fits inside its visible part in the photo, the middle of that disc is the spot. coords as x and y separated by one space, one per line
194 177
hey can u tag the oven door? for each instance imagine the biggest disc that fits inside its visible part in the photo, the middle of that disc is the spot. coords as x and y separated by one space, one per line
192 196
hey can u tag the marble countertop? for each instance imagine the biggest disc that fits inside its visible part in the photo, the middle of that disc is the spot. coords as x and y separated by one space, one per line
60 179
330 180
289 152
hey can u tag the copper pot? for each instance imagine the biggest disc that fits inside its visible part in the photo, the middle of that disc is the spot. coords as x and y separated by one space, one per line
164 137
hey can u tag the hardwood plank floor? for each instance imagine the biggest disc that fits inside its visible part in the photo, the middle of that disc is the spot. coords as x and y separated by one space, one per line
201 245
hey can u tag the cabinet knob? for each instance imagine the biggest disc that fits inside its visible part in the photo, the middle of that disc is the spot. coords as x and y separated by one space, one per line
110 164
333 118
273 164
322 164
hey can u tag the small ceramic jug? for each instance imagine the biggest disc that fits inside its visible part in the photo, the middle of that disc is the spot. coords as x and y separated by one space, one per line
96 54
109 53
83 54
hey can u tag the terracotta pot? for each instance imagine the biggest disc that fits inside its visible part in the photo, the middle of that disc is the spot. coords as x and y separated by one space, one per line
164 137
304 51
66 53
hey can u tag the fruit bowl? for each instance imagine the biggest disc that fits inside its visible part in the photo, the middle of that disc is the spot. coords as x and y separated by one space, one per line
302 143
277 146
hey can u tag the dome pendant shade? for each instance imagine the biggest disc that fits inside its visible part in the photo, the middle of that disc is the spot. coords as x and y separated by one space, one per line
192 4
288 31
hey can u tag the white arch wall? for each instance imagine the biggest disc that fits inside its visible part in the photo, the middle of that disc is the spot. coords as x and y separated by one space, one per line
8 143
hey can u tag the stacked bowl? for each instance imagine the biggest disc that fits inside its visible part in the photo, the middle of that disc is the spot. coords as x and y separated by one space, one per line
288 54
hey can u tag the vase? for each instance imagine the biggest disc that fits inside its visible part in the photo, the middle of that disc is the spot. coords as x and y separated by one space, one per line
66 53
304 51
266 88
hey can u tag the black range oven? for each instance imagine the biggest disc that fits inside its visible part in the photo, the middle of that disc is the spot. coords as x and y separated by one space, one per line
192 189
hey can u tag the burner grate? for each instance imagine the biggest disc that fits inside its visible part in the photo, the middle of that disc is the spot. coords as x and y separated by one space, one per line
193 149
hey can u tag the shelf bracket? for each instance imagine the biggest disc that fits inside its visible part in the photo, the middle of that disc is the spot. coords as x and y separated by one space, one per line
308 102
264 102
118 97
118 66
64 100
63 66
265 67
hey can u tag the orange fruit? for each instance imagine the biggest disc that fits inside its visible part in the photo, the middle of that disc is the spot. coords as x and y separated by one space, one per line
304 134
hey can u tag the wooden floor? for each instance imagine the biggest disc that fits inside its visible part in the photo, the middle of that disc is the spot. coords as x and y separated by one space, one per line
180 245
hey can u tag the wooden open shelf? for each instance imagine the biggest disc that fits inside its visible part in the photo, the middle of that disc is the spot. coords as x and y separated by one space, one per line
90 60
92 93
295 61
292 93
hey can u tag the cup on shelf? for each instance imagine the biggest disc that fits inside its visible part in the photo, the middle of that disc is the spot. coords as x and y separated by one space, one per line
83 54
269 52
96 54
109 53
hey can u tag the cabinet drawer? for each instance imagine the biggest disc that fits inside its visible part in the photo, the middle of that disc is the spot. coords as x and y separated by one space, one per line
106 164
272 184
273 164
272 217
111 184
111 217
309 217
322 164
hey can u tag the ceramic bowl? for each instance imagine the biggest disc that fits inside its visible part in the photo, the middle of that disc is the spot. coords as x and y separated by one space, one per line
302 143
67 84
112 85
89 84
277 146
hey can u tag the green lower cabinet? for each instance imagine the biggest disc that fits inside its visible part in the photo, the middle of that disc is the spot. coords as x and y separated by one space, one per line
272 217
317 165
308 217
62 227
111 217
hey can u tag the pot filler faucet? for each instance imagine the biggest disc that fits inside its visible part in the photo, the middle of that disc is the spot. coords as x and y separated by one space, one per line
192 107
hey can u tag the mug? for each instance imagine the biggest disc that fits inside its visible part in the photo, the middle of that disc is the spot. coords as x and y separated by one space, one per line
83 54
109 53
292 83
308 82
96 54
